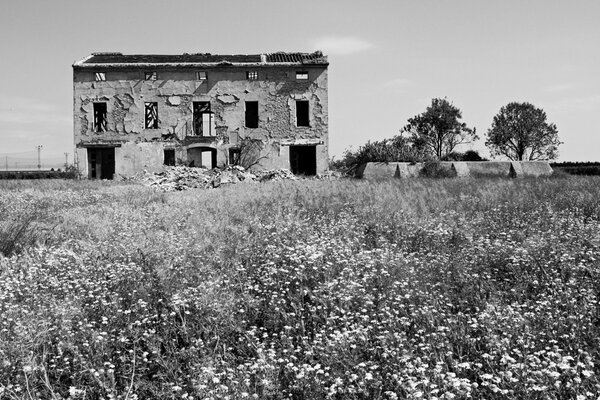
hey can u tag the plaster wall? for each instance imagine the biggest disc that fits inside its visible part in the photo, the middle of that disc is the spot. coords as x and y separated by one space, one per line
226 88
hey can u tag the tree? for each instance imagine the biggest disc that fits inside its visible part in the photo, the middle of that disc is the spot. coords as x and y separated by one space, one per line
520 132
438 131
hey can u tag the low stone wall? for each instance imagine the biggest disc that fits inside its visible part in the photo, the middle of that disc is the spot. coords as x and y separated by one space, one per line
463 169
532 168
377 170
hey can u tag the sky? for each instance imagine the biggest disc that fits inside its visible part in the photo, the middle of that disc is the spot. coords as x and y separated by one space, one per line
388 59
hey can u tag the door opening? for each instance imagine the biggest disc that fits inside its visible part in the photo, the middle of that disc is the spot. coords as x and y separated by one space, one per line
101 163
202 157
303 160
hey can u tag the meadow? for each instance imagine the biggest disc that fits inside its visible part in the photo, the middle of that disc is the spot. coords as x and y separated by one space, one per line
341 289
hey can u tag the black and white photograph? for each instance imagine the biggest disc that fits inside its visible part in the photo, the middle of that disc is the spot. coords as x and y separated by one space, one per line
307 200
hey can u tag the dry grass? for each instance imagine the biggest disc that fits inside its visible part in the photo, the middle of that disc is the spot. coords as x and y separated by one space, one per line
311 289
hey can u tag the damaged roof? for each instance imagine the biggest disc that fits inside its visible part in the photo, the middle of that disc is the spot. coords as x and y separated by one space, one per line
127 60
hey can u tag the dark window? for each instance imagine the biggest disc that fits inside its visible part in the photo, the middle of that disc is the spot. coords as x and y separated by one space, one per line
301 75
302 117
151 115
99 117
234 156
203 119
201 75
252 75
252 114
170 157
100 76
150 76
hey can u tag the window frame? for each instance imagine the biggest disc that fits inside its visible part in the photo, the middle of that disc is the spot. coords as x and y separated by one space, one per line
252 75
251 118
199 109
150 75
301 75
100 125
165 158
199 75
100 76
147 121
307 117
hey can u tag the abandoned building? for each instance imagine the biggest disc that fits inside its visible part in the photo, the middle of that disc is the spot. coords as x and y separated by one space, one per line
141 112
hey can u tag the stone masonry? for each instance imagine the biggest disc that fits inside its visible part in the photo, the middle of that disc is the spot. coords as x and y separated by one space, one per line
141 112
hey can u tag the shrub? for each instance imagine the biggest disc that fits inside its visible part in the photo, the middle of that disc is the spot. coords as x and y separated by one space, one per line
434 169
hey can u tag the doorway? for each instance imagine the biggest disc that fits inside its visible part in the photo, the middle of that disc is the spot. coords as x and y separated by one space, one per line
202 157
303 160
101 163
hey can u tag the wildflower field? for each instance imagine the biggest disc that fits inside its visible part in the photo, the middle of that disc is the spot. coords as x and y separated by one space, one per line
432 289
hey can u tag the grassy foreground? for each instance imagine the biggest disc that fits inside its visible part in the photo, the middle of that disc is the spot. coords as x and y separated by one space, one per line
435 289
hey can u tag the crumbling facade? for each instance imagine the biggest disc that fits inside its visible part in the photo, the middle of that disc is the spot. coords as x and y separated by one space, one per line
141 112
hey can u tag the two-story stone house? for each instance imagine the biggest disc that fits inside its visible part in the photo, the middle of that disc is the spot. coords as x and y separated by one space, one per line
141 112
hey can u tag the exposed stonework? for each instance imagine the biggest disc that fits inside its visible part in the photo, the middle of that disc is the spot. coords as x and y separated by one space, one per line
176 90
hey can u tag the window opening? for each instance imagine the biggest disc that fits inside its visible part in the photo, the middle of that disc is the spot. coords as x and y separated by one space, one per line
201 75
100 76
169 157
301 75
252 75
203 119
99 117
150 76
302 115
151 115
234 156
252 114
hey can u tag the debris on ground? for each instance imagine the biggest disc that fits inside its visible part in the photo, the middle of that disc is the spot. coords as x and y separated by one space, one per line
184 178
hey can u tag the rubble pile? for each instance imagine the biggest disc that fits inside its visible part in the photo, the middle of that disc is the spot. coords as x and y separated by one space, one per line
183 178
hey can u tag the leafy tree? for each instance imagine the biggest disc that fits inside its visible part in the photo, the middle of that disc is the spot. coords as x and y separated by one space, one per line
437 131
520 132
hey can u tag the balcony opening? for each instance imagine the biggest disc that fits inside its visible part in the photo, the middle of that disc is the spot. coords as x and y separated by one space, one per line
203 119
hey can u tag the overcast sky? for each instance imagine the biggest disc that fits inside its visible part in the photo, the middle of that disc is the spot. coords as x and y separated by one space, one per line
388 59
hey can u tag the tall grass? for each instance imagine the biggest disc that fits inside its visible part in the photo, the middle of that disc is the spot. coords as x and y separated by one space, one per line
308 290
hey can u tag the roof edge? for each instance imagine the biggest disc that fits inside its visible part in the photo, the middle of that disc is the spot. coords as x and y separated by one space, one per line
81 64
83 60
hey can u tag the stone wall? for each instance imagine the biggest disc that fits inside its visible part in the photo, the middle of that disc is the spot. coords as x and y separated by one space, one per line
462 169
226 88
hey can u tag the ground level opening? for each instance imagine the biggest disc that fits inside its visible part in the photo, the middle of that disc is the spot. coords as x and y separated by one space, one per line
202 157
303 160
169 157
101 162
